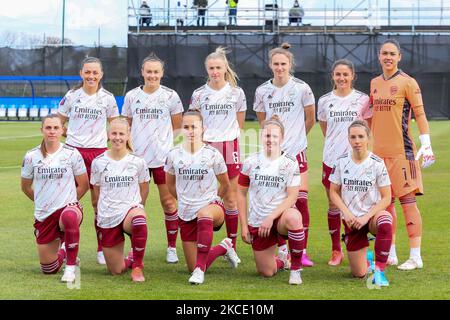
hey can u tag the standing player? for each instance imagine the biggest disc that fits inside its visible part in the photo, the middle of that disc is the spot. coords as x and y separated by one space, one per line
193 169
222 104
87 108
293 101
336 110
49 173
360 188
272 178
394 95
120 181
154 112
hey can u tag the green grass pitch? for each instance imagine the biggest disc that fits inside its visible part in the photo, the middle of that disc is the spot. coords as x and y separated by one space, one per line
20 277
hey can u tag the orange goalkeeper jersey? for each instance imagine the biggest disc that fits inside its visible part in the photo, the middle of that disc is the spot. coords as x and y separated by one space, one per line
392 101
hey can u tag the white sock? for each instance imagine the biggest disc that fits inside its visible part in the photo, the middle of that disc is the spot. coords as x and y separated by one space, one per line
392 251
415 253
283 248
304 251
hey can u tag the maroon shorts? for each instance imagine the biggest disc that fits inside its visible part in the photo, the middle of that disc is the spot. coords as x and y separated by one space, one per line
326 171
48 230
261 244
88 155
356 239
188 229
231 154
110 237
158 175
302 161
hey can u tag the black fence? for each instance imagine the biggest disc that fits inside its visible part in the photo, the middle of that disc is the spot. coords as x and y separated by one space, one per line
425 57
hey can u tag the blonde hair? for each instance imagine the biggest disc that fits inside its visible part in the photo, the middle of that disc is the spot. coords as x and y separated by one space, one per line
275 120
230 75
124 121
43 148
284 50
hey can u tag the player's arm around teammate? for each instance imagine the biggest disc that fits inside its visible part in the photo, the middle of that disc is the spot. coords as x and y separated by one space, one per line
361 189
395 96
54 168
155 113
223 105
88 107
336 111
293 101
120 182
272 180
193 169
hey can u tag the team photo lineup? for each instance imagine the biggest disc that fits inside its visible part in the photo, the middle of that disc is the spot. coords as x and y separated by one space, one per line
261 200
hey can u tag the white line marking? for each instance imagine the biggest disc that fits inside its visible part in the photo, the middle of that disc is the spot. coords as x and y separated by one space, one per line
21 137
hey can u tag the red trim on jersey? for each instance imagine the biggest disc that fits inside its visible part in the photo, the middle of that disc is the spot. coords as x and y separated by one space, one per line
244 180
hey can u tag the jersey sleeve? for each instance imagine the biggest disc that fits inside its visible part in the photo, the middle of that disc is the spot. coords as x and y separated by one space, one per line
175 104
321 112
308 96
241 101
168 167
335 175
64 105
143 173
383 176
258 104
95 173
78 165
195 101
27 167
126 108
219 165
366 110
414 97
294 179
112 109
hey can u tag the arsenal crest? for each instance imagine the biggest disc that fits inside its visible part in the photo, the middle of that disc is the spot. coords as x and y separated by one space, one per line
394 90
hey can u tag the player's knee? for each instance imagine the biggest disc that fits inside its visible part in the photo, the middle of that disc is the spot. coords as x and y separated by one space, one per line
168 204
293 220
358 274
203 213
116 271
266 273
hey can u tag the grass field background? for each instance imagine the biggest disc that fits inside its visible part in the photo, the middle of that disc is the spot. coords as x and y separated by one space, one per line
20 277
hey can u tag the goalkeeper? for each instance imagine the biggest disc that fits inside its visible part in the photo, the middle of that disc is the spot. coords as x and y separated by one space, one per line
394 96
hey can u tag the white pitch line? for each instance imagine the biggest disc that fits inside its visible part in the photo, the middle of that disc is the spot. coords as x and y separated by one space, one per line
21 137
10 167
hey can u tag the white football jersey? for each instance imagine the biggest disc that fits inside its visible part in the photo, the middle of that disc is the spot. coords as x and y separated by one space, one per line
53 178
196 181
119 186
88 116
360 182
218 109
339 113
269 181
151 129
288 103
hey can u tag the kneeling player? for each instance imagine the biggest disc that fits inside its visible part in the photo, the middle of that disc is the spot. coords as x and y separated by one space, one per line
192 171
120 182
361 189
272 179
54 168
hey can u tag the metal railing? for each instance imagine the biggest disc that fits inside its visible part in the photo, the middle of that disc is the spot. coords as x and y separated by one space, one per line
364 13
